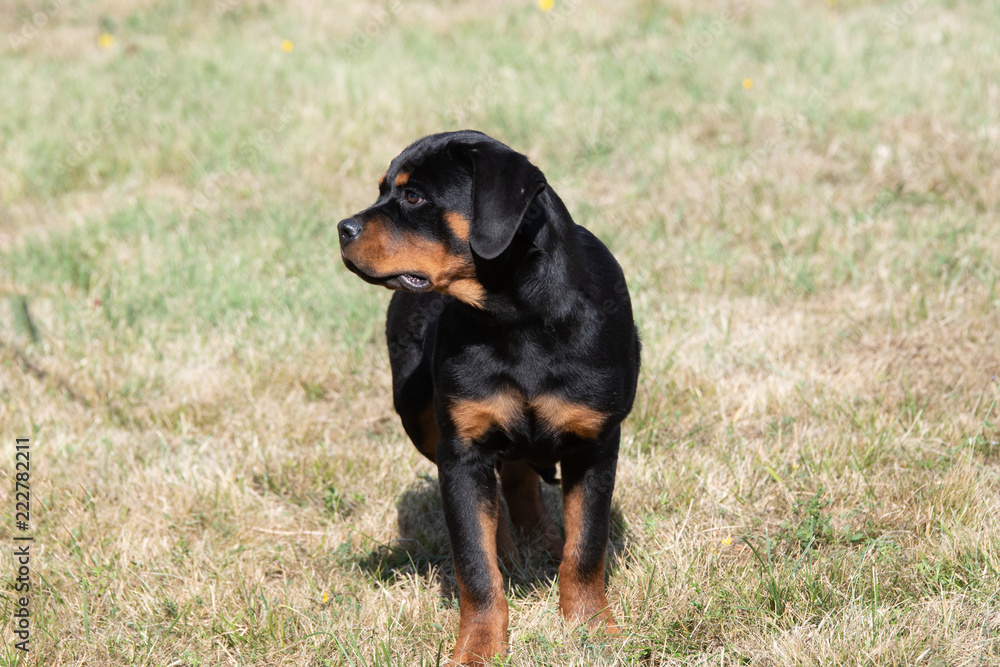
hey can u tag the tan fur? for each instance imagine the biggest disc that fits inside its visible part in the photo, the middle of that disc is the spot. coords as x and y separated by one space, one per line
382 252
563 416
482 632
522 491
458 224
582 599
473 418
429 432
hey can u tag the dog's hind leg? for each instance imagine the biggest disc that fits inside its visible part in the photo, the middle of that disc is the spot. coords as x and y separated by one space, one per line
523 493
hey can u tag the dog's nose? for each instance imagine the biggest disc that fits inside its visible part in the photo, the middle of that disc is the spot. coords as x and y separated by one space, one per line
349 230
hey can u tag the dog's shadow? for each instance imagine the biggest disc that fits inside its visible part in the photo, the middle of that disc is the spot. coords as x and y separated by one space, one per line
423 547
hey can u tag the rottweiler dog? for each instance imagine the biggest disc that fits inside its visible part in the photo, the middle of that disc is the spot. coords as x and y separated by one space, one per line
512 348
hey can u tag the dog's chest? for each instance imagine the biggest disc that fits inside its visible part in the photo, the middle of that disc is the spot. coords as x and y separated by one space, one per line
532 394
525 417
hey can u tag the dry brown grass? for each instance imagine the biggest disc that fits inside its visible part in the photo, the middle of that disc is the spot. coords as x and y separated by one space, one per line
810 476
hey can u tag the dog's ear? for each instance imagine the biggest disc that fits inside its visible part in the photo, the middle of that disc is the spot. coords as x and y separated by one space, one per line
503 184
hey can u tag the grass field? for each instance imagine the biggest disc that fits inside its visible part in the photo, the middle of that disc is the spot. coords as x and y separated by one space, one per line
804 197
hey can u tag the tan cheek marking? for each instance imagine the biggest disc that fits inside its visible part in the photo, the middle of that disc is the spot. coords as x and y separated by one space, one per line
448 273
468 290
458 224
474 418
381 181
402 179
373 248
566 417
383 254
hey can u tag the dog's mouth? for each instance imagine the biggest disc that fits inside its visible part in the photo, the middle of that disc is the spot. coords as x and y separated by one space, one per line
411 282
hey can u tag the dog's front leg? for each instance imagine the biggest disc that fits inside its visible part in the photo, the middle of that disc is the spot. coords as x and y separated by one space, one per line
471 509
588 473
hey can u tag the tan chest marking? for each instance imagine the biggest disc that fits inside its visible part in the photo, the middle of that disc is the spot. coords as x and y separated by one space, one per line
563 416
474 418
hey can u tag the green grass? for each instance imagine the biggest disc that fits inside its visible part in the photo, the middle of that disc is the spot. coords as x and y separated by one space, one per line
803 197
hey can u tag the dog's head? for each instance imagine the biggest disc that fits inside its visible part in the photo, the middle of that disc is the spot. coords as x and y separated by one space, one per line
448 203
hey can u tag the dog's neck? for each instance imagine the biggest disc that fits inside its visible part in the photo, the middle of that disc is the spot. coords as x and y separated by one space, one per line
534 278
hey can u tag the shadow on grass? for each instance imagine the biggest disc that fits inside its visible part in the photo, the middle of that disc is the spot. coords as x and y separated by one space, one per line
423 547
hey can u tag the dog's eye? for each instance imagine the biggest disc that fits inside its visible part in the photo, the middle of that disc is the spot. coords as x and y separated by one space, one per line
412 197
